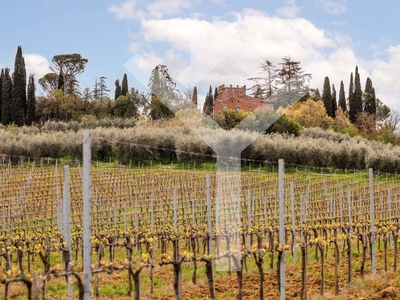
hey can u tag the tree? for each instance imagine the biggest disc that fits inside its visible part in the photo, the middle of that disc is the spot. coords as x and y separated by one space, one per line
369 98
87 95
352 116
310 114
194 97
69 65
342 97
327 97
103 87
129 105
60 107
18 106
382 110
293 80
60 84
342 123
215 93
162 92
96 91
355 97
31 101
1 93
118 91
49 82
357 93
334 103
266 84
209 103
124 87
6 98
317 95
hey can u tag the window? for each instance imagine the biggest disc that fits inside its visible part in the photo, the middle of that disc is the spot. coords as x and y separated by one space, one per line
237 109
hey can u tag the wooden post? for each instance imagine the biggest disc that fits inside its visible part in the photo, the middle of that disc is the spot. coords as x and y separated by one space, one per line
282 228
372 220
87 248
67 222
293 221
208 196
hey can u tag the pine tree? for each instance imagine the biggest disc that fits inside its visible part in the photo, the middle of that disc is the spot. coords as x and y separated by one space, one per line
194 96
60 85
334 103
370 99
124 87
342 97
118 91
6 97
18 106
31 101
327 97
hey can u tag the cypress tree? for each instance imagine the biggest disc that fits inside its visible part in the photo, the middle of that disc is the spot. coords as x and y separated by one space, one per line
124 87
18 107
118 91
194 96
342 97
334 103
357 94
317 95
6 97
352 114
1 84
209 103
215 93
370 99
327 97
31 101
60 85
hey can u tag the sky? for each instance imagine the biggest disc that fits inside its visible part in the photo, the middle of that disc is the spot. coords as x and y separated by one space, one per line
211 42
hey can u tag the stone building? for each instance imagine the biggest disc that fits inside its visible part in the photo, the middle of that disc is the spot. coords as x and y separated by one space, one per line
235 98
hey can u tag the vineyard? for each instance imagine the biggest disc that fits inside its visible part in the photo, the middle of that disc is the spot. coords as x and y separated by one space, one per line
155 232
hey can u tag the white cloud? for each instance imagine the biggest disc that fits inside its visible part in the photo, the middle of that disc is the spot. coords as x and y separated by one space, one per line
129 9
134 48
338 22
229 52
332 7
202 53
36 64
160 8
124 11
290 10
219 1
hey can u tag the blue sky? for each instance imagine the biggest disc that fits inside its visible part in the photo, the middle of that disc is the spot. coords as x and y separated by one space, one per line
208 42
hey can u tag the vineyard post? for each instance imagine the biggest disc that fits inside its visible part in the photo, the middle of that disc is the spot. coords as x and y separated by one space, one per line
372 218
87 248
293 221
67 224
349 235
282 229
248 220
175 220
390 212
208 196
